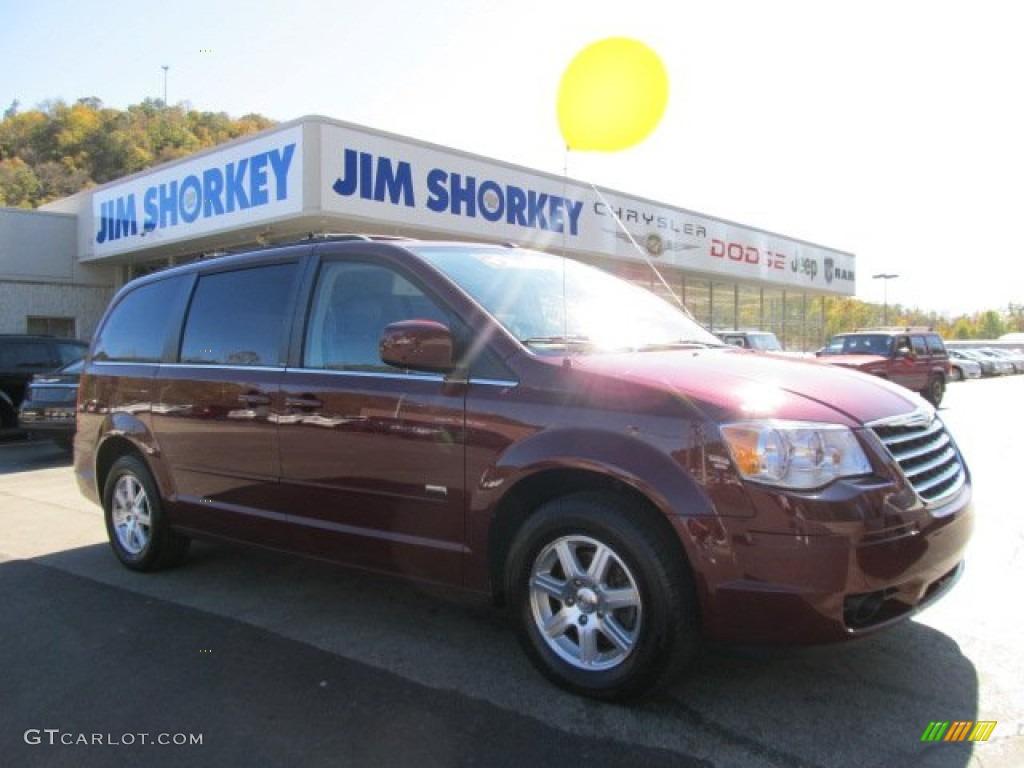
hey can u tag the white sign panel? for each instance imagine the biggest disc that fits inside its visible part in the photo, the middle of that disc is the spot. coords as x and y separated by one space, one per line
241 185
386 180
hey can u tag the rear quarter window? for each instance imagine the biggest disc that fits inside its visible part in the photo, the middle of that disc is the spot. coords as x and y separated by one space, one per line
138 327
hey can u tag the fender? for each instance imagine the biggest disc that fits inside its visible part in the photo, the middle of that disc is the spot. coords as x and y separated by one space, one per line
131 426
127 426
665 480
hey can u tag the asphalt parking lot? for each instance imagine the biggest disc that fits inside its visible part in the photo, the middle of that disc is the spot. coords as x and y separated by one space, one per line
274 661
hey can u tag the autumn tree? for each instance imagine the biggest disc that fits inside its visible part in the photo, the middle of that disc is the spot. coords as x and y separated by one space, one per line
58 149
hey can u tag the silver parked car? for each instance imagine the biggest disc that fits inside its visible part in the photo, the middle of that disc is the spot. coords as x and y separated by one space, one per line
1003 366
1011 356
963 367
988 365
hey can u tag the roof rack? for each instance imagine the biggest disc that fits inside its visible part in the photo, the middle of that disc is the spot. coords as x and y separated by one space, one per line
899 328
352 236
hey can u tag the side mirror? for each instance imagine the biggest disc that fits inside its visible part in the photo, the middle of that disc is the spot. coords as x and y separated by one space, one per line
419 345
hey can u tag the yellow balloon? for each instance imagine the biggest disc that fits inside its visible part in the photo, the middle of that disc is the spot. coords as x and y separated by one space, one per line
612 95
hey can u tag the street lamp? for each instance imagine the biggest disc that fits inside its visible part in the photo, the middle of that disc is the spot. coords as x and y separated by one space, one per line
885 295
165 68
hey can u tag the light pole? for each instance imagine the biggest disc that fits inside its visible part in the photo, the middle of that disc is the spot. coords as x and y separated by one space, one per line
885 295
165 68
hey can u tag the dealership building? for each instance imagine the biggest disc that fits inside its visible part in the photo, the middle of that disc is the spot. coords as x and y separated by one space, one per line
60 264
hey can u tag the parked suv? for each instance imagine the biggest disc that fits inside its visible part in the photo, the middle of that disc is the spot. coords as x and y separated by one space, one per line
914 358
472 415
50 404
762 341
21 356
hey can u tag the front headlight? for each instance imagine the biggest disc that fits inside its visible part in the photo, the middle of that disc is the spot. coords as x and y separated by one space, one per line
794 454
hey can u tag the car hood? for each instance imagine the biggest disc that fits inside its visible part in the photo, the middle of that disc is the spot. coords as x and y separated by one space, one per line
852 361
55 379
742 384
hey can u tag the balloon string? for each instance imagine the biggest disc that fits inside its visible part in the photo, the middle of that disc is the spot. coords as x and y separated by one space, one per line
642 252
565 247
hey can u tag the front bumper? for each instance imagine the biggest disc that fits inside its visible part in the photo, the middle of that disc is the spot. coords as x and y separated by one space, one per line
48 421
795 588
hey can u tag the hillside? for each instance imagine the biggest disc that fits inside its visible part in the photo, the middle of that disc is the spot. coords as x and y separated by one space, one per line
58 149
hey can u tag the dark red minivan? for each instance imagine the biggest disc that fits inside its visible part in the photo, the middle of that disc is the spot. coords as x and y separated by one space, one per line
523 426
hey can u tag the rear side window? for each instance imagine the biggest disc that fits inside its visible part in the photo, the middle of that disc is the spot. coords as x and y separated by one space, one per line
68 353
239 317
935 346
32 354
919 346
137 329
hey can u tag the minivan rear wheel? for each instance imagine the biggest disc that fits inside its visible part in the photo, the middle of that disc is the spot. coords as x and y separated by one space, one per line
136 524
603 606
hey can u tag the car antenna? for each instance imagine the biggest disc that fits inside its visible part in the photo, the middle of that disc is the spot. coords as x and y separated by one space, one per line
642 252
566 361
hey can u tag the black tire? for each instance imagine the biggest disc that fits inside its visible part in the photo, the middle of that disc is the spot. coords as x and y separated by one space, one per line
633 647
8 416
136 524
936 389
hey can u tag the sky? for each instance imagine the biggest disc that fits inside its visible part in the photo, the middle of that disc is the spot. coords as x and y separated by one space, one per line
892 129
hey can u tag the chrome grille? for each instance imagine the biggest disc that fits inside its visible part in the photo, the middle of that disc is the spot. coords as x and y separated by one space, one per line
925 452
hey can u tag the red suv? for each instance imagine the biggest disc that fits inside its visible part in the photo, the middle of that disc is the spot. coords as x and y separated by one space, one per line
474 415
915 358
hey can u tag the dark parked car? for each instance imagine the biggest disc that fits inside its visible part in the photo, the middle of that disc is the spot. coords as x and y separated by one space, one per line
914 358
472 415
48 410
22 356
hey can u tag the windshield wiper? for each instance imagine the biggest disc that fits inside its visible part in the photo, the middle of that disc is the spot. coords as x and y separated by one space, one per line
681 344
558 341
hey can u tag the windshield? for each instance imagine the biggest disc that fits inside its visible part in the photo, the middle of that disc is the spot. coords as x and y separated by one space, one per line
861 344
523 290
766 342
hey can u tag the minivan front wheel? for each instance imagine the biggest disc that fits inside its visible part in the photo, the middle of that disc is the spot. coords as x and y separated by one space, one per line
136 525
604 607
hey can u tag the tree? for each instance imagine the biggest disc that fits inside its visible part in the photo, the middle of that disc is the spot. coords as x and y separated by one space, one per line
1014 318
990 325
19 186
58 149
